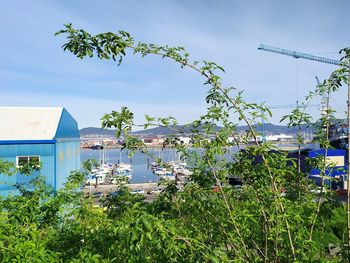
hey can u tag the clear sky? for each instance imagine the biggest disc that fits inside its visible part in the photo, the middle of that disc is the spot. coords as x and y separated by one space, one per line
34 70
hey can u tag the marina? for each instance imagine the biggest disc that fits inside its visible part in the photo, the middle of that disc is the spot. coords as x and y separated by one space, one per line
138 169
140 173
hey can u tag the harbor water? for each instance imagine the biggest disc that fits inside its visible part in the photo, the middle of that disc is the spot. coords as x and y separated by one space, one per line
140 161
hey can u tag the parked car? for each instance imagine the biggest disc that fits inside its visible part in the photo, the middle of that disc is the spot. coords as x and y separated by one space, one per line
97 194
137 191
117 193
156 191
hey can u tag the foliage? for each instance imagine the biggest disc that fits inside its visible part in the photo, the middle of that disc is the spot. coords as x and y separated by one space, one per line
275 217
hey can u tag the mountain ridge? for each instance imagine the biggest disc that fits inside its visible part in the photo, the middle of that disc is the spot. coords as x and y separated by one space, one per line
159 131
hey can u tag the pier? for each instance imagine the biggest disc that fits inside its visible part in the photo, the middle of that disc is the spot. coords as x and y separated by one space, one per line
111 188
106 189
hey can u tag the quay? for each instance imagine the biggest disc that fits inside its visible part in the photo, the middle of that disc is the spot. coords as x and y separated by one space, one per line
105 189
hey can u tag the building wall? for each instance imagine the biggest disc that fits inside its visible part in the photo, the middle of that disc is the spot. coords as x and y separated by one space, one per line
9 153
67 160
67 127
67 148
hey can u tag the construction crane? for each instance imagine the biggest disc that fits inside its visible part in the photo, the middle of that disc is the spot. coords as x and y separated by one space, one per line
324 106
338 125
289 106
296 54
263 132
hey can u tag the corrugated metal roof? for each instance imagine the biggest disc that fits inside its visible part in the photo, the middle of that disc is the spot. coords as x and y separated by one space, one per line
29 123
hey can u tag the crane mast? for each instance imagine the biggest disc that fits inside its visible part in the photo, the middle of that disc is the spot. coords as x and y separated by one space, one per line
324 104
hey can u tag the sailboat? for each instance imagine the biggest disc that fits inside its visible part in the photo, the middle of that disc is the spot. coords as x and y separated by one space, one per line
123 169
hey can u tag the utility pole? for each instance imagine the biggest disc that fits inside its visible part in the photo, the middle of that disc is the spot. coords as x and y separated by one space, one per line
348 170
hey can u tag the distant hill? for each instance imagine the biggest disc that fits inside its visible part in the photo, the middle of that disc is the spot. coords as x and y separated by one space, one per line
278 129
89 131
157 131
93 131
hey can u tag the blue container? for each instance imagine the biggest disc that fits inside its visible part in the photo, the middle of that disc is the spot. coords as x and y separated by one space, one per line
337 169
50 134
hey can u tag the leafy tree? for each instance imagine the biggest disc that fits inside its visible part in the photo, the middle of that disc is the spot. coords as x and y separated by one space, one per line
285 225
274 217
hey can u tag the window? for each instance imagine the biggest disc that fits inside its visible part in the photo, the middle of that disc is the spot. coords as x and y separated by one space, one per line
32 161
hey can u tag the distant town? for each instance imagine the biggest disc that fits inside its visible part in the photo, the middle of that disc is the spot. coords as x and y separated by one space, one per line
97 138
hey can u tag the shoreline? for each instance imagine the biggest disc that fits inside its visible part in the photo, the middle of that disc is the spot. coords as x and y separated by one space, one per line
279 144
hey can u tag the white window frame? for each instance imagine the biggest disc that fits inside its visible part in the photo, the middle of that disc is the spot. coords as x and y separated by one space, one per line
26 156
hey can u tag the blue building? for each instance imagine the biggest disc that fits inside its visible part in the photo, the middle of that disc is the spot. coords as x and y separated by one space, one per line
47 135
337 168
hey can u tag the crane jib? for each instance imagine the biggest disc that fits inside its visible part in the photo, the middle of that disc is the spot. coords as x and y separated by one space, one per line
296 54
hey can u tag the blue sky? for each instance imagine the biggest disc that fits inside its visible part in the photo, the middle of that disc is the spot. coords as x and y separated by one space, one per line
34 71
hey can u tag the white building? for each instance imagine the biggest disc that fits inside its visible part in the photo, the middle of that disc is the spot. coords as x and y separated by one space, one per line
279 137
185 140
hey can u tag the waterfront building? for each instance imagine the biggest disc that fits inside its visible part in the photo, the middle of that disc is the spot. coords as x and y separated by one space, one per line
185 140
154 141
46 135
335 171
279 138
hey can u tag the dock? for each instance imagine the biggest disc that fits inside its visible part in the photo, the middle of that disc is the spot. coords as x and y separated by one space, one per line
105 189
